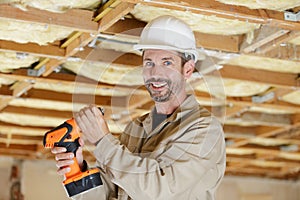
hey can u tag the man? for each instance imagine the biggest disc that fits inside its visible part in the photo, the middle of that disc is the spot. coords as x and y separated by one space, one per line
177 150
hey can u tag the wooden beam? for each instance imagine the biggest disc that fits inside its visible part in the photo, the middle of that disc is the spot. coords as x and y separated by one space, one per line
6 128
134 27
248 104
37 112
49 51
219 42
128 26
214 8
263 152
262 163
68 80
21 87
109 56
83 39
284 51
279 47
265 41
284 119
278 132
285 80
75 18
114 15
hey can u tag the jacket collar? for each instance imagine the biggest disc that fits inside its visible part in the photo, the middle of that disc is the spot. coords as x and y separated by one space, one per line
189 103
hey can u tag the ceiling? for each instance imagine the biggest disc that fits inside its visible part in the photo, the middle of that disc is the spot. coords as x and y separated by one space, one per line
57 58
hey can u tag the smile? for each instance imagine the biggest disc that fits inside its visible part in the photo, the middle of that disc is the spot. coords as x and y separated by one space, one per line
159 84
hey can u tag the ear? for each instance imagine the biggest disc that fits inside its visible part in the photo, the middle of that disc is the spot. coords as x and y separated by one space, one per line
188 69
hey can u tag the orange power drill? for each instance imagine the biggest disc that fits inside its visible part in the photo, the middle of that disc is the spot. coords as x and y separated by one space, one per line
67 135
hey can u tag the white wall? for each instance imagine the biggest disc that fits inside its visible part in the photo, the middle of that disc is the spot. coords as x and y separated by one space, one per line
40 181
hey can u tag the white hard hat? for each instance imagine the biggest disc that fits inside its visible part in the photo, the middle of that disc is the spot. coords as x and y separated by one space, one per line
168 33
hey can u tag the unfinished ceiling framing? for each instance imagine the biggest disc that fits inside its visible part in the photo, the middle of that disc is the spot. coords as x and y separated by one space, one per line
56 57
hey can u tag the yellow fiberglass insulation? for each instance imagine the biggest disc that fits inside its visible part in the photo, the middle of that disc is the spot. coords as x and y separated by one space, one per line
22 32
279 5
10 61
54 5
200 23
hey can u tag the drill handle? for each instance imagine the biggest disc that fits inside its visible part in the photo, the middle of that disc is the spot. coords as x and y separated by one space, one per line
72 146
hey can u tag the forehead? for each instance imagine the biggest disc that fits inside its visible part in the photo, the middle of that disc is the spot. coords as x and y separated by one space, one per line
160 54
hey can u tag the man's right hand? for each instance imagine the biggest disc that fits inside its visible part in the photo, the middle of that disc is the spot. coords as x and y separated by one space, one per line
64 159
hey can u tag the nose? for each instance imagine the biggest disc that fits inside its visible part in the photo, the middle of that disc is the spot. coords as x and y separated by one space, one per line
156 70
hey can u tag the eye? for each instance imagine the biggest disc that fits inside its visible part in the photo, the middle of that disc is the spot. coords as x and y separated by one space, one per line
167 63
148 64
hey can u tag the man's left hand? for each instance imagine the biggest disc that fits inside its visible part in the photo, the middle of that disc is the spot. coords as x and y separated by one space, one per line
91 122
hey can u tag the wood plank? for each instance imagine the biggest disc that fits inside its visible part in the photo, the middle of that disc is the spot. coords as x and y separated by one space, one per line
261 76
127 26
134 27
20 87
75 18
219 42
76 45
262 164
276 43
37 112
6 128
275 132
265 41
261 152
109 56
114 15
214 8
247 103
49 51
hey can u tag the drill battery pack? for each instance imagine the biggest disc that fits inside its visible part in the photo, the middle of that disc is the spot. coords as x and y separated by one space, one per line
83 182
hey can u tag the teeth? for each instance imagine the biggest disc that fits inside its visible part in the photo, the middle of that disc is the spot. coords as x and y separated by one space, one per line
159 84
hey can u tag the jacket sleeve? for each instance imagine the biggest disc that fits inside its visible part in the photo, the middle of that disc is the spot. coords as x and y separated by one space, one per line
196 156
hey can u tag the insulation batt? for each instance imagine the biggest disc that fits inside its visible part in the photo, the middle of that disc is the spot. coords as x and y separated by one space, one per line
200 23
54 5
279 5
22 32
107 73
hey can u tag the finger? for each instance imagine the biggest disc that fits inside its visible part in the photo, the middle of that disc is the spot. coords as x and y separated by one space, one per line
57 150
64 156
81 142
63 171
89 114
64 163
79 120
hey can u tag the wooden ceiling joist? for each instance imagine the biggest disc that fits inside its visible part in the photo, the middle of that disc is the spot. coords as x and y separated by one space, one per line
49 51
214 8
219 42
263 153
76 19
284 80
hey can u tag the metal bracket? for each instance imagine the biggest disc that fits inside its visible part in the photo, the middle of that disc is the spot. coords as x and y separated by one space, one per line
291 16
264 98
36 72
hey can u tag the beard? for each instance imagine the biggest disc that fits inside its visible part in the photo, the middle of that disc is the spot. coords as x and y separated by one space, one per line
164 93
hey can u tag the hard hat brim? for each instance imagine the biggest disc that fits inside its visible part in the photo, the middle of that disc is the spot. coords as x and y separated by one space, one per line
142 47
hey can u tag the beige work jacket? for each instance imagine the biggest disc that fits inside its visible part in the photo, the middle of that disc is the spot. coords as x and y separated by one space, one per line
182 158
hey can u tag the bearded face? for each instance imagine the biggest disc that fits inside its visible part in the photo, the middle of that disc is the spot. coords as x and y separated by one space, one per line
162 72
